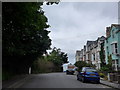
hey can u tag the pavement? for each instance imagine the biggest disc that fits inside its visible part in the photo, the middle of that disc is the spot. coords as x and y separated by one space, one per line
14 81
26 81
110 84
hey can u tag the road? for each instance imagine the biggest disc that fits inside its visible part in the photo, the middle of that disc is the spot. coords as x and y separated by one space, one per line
56 80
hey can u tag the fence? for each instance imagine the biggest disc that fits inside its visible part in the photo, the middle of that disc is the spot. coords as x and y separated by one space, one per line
114 77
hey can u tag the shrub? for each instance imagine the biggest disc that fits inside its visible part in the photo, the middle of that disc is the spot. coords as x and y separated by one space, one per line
102 75
81 64
42 66
107 68
105 78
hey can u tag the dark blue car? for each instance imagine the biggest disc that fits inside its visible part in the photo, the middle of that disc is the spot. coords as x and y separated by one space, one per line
88 74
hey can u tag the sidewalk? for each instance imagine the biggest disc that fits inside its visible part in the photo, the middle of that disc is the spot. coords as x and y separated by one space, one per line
111 84
14 81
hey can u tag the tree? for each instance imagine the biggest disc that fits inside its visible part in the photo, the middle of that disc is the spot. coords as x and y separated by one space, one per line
58 58
102 55
110 62
24 35
81 64
42 66
50 2
108 67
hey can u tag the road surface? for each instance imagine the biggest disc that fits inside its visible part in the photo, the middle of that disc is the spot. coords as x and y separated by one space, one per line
56 80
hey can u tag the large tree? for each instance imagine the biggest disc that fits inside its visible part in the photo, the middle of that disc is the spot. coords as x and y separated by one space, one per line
24 35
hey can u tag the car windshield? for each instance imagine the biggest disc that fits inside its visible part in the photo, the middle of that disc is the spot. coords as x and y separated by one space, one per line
91 70
71 69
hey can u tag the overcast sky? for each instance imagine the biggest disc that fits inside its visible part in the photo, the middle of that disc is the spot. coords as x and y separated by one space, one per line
73 23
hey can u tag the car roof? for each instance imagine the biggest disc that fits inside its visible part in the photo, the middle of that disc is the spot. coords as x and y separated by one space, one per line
88 67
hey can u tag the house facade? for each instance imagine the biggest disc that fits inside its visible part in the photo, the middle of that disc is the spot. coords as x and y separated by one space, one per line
89 51
81 55
84 53
112 45
94 53
77 55
96 49
102 50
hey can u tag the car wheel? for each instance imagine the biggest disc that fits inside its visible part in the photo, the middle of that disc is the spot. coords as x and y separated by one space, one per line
83 80
67 73
98 82
78 78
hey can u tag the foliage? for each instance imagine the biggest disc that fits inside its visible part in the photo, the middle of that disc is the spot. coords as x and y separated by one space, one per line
42 66
6 75
102 75
50 2
24 35
108 67
81 64
102 55
110 60
57 57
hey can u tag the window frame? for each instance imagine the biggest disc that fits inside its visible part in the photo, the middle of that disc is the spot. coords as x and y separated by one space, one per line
114 47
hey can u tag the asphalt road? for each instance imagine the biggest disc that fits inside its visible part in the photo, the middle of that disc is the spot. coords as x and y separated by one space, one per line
56 80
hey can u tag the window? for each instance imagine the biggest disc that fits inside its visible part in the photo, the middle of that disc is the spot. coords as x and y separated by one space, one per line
107 40
115 64
107 50
94 56
114 48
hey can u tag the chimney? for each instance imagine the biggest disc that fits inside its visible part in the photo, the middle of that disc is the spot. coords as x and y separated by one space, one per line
108 31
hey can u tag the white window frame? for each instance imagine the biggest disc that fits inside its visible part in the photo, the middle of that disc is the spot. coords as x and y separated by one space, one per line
114 49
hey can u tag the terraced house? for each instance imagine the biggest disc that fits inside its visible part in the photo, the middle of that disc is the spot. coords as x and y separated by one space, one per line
77 55
96 49
112 45
89 51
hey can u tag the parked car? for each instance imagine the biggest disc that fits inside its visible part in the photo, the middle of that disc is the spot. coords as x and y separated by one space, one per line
88 74
70 71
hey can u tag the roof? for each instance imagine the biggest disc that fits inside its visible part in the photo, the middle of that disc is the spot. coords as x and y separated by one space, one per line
108 29
115 25
90 42
102 38
78 52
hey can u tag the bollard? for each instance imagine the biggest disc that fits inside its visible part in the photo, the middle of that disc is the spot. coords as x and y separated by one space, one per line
119 79
115 76
29 70
108 75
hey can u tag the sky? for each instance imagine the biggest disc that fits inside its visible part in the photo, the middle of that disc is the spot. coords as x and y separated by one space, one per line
73 23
